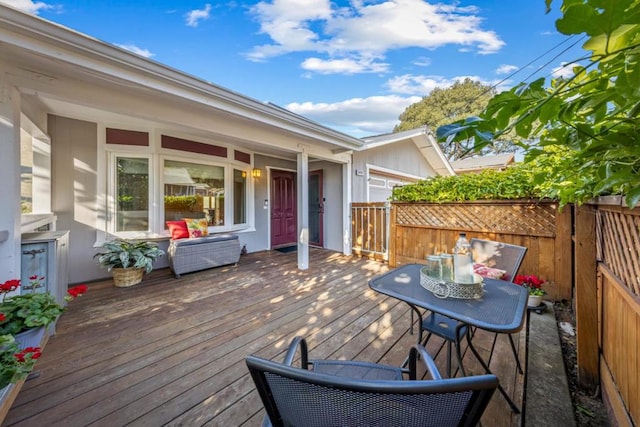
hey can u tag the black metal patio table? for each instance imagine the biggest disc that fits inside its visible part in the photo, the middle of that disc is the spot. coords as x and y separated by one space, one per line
501 309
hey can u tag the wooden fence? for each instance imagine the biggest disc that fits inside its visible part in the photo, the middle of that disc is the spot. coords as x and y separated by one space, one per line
607 303
419 229
590 254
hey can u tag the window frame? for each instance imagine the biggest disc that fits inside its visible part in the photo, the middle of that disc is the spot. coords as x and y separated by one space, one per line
156 156
112 196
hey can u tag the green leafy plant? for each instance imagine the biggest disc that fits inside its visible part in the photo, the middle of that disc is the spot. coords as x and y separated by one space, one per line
593 115
31 310
516 182
15 363
126 254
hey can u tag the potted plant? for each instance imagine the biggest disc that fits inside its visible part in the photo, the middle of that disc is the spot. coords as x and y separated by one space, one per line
534 285
128 260
26 316
15 362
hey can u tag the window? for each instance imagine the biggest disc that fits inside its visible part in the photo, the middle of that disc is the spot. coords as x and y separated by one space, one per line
132 184
193 190
239 197
150 185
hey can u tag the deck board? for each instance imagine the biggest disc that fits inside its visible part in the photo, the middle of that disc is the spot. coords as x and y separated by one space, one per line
171 351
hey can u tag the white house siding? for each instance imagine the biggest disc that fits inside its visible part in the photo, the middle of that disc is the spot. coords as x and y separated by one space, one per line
400 158
75 190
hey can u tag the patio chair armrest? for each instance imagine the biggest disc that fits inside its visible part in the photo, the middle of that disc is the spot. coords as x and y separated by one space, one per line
297 343
419 351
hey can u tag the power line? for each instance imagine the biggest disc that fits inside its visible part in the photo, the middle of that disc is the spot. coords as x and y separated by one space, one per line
532 61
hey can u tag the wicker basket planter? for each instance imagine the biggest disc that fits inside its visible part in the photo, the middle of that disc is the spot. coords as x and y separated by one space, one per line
124 277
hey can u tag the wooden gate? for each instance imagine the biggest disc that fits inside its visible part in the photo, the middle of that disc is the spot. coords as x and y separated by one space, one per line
370 230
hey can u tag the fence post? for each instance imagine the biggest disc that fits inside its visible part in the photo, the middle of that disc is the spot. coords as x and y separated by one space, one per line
563 245
392 236
586 297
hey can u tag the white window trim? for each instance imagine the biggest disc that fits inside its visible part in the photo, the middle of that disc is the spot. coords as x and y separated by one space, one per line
156 156
111 199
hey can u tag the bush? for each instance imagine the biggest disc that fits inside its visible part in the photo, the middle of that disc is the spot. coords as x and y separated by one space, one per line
516 182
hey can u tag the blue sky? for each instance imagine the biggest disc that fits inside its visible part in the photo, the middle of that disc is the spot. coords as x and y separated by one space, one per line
352 66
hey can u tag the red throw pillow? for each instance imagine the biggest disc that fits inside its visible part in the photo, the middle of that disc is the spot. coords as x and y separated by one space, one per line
178 229
489 273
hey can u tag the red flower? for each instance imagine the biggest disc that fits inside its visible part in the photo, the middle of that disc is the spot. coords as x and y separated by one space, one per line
34 277
76 291
10 285
531 281
35 353
2 317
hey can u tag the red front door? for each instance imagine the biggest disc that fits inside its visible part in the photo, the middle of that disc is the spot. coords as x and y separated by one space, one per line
284 227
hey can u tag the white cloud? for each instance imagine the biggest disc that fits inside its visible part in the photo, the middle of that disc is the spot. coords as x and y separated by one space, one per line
422 61
376 115
506 69
194 17
344 66
137 50
362 30
28 5
358 116
565 70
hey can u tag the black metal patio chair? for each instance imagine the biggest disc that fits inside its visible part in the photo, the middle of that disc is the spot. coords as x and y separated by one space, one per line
353 393
497 255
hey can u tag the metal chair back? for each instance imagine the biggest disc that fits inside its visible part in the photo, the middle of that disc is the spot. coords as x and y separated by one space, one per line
498 255
298 397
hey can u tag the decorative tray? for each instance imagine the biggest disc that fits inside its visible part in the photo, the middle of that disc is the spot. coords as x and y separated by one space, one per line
445 289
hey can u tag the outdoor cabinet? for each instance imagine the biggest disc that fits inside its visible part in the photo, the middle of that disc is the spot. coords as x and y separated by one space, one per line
46 254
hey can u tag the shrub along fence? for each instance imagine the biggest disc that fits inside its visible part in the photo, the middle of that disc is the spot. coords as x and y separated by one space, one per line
419 229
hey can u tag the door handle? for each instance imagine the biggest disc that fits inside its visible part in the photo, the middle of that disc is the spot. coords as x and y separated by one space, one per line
33 252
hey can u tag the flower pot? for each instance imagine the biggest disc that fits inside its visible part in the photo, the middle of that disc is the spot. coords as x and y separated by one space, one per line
123 277
31 337
534 300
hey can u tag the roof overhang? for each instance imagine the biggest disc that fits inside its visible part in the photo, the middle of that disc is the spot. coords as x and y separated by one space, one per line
45 51
424 140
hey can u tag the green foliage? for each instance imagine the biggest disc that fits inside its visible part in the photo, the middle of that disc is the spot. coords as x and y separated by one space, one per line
15 364
180 203
125 254
443 105
513 183
594 114
27 311
522 181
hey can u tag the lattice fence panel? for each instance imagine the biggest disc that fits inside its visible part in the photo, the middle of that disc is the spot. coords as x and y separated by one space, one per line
528 219
619 238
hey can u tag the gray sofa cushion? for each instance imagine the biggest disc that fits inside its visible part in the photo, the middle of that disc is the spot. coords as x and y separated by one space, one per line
204 239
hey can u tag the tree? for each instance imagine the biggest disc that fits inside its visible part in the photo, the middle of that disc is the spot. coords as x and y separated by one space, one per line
444 105
593 116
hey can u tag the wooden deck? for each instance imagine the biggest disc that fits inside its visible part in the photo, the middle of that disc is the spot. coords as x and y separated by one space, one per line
171 351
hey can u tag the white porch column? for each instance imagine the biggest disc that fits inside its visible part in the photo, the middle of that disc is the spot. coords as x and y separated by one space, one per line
10 179
347 170
303 210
